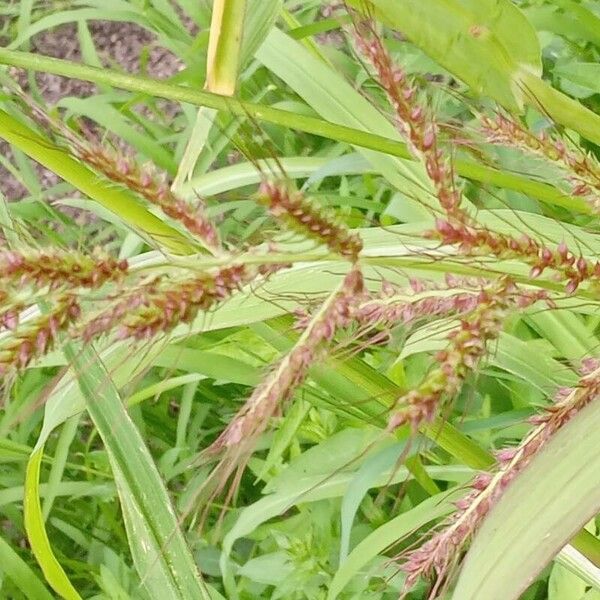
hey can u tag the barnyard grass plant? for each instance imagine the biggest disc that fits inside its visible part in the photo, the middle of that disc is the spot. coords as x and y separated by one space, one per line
318 372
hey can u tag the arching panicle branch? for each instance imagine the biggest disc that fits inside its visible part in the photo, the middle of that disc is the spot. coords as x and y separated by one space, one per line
437 556
239 437
582 170
467 346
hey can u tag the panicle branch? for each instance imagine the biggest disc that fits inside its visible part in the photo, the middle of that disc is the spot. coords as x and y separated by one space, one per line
56 268
413 120
124 170
153 188
304 215
161 304
436 557
33 338
422 300
467 346
582 170
238 438
473 241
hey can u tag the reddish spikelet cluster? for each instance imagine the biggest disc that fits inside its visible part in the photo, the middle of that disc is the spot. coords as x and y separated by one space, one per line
34 338
237 440
57 268
9 317
304 215
154 189
467 346
124 170
472 241
436 557
417 126
421 301
160 305
279 385
582 171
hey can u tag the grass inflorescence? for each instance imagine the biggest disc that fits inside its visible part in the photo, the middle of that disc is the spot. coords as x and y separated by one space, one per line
300 366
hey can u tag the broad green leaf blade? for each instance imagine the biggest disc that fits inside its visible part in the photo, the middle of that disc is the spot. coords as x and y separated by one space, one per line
556 494
454 32
160 553
67 399
586 75
508 65
36 531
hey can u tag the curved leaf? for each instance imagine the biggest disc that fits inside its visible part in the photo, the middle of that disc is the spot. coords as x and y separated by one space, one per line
453 32
555 495
160 553
36 531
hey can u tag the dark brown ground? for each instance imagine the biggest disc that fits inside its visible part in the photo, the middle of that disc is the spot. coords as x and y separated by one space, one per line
115 42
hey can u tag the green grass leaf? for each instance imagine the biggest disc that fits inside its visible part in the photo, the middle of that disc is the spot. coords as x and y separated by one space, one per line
21 574
453 32
160 553
529 524
37 535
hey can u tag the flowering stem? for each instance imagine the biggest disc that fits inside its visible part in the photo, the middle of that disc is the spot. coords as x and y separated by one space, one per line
456 265
470 170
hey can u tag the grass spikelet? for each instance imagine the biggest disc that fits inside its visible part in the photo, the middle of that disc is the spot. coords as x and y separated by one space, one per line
161 304
477 241
301 214
155 189
238 438
467 346
58 268
10 309
581 170
422 300
437 556
143 180
413 120
33 338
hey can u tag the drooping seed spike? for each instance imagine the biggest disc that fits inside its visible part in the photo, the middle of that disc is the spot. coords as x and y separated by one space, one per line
305 216
238 438
466 347
581 170
57 268
157 306
32 338
436 556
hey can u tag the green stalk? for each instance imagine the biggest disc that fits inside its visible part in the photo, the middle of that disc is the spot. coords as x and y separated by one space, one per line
543 192
588 545
224 46
425 263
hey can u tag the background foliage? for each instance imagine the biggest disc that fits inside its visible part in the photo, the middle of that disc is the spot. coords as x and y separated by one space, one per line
105 480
